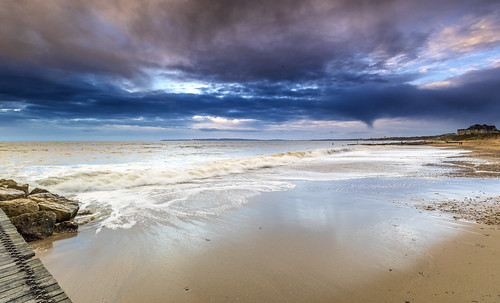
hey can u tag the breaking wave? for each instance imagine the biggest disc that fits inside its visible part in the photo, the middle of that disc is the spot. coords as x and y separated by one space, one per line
95 178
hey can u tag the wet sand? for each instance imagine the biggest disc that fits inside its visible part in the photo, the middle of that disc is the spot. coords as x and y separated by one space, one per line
341 241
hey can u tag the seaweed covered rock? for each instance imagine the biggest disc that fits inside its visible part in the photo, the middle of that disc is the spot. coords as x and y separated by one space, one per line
35 226
18 207
65 209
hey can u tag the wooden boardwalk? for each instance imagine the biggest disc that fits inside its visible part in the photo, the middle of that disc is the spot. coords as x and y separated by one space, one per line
23 278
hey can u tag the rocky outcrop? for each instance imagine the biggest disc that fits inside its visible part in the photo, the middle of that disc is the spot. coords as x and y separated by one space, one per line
18 207
64 209
35 226
35 215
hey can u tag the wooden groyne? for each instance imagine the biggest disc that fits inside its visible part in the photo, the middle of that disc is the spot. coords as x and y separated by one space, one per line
23 278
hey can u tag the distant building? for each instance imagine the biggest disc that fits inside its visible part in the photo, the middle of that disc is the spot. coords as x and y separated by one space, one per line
477 129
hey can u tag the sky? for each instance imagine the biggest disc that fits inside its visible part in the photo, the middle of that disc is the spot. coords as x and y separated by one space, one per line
281 69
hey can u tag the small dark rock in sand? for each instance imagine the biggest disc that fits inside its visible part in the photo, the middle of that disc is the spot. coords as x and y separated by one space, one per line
35 226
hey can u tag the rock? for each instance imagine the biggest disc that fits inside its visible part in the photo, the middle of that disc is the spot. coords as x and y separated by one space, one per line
64 209
84 212
66 227
23 187
7 182
35 226
13 184
10 194
85 220
18 207
38 191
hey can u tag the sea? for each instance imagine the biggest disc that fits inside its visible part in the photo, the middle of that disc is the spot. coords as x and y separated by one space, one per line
121 183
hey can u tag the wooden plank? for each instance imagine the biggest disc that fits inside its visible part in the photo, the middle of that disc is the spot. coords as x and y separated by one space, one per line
26 297
4 259
13 276
18 241
12 266
18 280
60 297
56 290
6 267
24 255
7 275
18 273
17 294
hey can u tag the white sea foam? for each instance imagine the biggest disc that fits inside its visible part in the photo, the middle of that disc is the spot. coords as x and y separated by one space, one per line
85 178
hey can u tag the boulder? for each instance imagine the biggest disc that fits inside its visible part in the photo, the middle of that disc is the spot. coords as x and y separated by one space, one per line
23 187
11 194
66 227
38 191
18 207
13 184
7 182
64 209
35 226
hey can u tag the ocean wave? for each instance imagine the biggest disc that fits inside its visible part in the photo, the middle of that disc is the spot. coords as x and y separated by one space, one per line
95 178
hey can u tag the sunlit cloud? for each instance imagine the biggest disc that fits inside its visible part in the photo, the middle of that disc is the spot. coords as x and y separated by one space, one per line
437 84
473 34
220 123
316 125
128 127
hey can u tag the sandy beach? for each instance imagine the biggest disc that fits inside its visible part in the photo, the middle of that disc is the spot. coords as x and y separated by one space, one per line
320 242
251 151
463 268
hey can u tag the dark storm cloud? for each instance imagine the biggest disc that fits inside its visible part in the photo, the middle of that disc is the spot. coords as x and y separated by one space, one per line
272 61
472 96
245 40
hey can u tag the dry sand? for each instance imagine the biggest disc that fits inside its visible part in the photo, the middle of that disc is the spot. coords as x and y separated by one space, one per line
486 151
465 268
